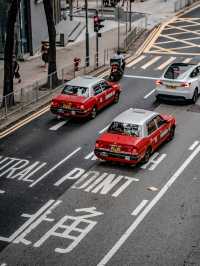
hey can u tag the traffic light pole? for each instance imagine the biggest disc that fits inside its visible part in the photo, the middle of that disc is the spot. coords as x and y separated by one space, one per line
87 54
97 50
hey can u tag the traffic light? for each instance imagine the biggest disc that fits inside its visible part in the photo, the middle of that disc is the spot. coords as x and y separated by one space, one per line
100 21
96 23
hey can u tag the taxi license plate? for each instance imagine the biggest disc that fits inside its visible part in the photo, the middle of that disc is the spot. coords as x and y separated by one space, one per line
67 106
115 149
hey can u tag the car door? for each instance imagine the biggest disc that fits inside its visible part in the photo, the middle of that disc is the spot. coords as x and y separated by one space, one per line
153 133
109 92
195 78
99 95
163 128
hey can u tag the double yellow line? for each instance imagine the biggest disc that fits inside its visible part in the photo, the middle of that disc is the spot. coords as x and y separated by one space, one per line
24 122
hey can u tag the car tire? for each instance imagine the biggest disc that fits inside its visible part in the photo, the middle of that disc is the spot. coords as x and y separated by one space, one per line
147 155
93 112
116 97
171 133
195 96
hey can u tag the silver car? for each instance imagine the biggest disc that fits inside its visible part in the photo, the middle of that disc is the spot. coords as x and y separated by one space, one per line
179 81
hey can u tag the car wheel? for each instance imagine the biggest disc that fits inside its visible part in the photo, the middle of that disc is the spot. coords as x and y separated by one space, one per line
116 97
94 112
195 96
146 156
171 133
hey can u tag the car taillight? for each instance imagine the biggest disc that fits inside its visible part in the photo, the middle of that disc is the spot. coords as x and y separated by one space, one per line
82 107
159 82
55 103
185 84
134 151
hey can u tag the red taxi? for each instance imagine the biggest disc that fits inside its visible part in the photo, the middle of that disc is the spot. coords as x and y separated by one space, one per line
134 135
85 96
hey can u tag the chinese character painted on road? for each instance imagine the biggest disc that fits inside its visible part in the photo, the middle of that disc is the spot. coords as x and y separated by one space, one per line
72 228
75 228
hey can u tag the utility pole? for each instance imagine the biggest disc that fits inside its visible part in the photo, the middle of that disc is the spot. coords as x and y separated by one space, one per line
87 55
130 15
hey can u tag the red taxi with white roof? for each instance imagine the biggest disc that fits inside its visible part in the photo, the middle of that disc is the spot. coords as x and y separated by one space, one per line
85 96
134 135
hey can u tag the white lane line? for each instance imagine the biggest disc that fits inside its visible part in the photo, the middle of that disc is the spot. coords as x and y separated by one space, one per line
55 166
148 208
166 63
191 148
187 60
57 126
139 77
151 62
151 92
140 58
139 207
104 129
2 191
3 264
91 156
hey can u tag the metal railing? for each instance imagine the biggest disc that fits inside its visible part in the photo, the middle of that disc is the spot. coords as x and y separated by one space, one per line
43 88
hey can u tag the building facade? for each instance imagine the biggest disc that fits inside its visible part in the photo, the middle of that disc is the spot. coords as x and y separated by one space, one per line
31 26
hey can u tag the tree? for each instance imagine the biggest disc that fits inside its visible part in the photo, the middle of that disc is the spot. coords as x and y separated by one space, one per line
8 52
52 70
13 10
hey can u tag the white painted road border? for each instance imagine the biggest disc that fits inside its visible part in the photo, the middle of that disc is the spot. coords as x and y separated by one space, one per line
55 166
141 217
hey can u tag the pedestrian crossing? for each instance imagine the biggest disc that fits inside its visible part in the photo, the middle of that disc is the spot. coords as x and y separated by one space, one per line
156 62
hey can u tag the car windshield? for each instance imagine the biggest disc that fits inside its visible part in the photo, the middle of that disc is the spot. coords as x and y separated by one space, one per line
76 90
124 129
176 70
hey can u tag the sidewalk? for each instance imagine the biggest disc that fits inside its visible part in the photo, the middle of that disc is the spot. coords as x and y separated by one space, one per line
156 11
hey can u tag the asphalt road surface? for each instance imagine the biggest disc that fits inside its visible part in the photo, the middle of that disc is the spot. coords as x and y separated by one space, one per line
61 206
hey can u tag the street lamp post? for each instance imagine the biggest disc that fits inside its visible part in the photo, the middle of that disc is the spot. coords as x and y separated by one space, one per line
130 15
87 55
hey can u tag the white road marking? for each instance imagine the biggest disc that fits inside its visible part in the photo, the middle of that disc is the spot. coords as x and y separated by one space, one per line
187 60
139 77
3 264
2 191
140 58
144 213
55 166
139 207
104 129
191 148
151 62
57 126
166 63
154 161
151 92
91 156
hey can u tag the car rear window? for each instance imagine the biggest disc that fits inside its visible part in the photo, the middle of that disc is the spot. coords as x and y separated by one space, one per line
176 70
76 90
124 129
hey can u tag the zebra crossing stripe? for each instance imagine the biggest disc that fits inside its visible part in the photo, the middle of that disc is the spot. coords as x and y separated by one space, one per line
151 62
166 63
187 60
140 58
